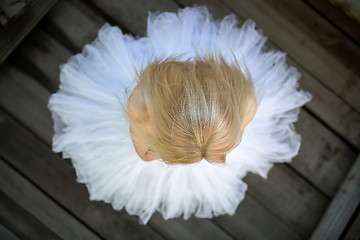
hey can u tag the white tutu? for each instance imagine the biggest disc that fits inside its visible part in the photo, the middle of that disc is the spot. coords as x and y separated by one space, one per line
92 129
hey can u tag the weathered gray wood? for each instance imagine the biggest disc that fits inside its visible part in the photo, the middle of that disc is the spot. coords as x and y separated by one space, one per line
66 12
354 232
42 57
341 207
133 16
58 179
9 10
333 111
313 56
20 222
7 234
309 212
40 206
349 7
18 95
193 228
288 196
15 32
255 220
323 158
323 32
337 17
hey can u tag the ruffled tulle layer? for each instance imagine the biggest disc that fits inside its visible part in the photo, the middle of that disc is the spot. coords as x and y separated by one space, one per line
91 127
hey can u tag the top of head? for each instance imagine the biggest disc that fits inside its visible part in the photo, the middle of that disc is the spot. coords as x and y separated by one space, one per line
192 109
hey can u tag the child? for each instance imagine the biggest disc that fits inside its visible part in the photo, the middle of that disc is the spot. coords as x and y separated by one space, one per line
209 105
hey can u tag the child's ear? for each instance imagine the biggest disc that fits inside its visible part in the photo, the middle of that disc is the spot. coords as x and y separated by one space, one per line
249 114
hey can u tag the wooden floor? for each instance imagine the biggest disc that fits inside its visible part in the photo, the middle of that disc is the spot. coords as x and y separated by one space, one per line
39 195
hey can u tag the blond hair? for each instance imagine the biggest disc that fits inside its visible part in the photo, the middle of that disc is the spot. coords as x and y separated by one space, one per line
196 107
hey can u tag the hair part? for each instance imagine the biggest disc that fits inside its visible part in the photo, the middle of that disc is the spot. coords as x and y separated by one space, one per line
196 107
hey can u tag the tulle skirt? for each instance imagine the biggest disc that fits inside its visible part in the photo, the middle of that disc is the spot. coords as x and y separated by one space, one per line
91 127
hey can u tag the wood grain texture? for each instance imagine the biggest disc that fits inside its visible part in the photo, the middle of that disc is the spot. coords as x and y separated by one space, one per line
22 223
255 220
41 56
20 96
341 208
16 31
337 18
133 16
58 179
320 159
48 212
354 231
311 55
66 12
323 159
5 233
295 202
319 30
330 157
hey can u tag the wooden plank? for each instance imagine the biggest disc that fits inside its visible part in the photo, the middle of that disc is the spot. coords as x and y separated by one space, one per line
10 10
66 12
350 7
17 90
245 224
193 228
5 233
22 223
311 55
33 54
58 179
341 207
334 112
41 206
293 200
322 154
337 18
15 32
321 31
308 212
354 231
133 16
254 220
